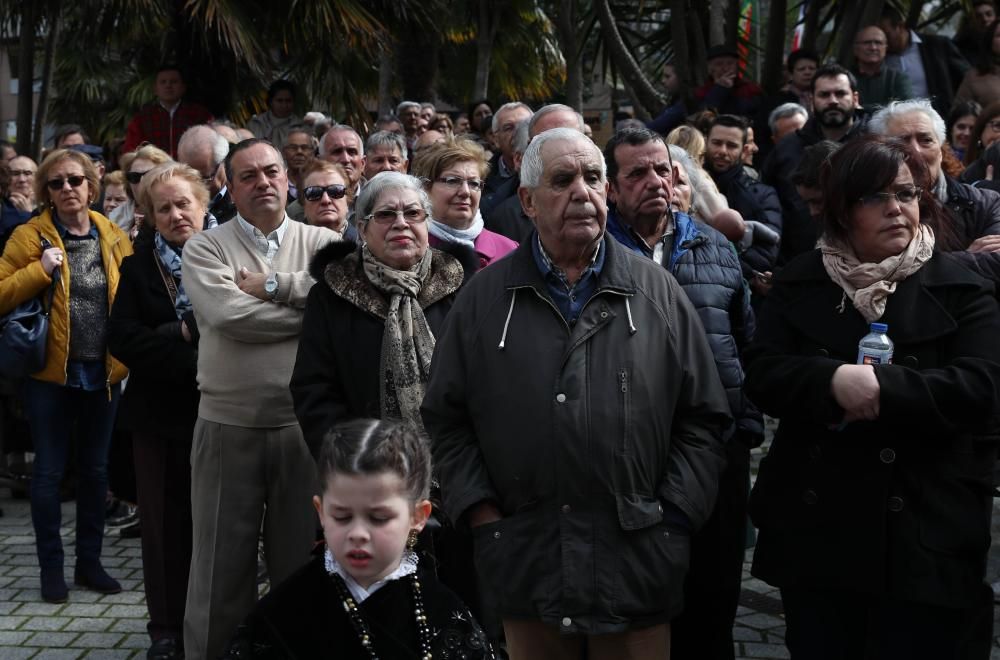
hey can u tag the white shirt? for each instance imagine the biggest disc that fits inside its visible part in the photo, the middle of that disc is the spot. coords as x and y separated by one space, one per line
268 245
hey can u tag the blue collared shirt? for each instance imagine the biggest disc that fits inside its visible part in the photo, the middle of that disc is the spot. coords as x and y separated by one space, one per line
569 298
89 376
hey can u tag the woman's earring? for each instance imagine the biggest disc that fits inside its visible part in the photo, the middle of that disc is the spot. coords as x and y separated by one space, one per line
411 539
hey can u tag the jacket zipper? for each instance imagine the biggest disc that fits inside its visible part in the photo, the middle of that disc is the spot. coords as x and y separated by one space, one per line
626 404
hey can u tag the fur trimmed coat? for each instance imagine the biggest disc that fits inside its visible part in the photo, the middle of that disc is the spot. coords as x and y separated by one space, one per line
336 374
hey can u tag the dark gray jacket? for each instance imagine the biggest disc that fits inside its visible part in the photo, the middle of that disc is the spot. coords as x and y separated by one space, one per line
582 436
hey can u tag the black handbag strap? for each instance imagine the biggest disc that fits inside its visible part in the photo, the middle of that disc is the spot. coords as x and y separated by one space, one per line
168 279
56 274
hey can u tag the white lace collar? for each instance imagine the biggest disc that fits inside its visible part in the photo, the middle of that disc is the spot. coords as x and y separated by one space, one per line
407 566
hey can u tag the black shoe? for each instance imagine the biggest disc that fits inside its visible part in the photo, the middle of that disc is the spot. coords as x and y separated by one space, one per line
95 578
167 648
133 530
120 513
54 588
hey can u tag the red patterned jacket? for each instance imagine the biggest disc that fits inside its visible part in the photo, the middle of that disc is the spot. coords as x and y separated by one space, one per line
153 124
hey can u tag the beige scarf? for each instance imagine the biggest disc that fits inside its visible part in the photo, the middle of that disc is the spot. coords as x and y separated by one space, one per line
868 284
407 343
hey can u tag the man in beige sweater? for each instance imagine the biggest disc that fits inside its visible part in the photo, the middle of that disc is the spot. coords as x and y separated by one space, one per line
248 283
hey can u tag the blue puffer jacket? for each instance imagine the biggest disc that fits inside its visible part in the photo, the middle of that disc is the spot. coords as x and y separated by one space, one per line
705 264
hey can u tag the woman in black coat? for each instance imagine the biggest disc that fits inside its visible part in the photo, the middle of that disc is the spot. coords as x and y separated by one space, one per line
874 500
152 330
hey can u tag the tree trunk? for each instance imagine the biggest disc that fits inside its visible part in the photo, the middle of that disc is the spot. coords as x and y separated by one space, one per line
566 30
644 93
385 105
717 25
732 33
696 45
488 22
41 111
25 76
811 25
913 17
682 50
772 76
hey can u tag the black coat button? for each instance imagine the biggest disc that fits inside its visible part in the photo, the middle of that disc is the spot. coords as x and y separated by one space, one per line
810 497
887 455
823 352
910 361
895 503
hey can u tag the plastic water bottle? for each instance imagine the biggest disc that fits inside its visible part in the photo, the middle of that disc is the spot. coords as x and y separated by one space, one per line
875 347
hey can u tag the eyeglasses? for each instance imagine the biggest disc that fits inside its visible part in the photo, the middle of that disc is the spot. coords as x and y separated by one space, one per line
903 196
388 216
873 43
994 124
315 193
22 173
74 182
135 177
455 182
299 147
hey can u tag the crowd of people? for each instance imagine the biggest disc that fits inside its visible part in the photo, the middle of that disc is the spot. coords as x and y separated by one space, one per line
474 386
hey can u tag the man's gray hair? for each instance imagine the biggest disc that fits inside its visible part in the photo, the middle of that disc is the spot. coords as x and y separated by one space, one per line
199 136
385 181
879 122
521 139
386 139
532 165
553 107
406 105
784 111
428 104
338 128
507 107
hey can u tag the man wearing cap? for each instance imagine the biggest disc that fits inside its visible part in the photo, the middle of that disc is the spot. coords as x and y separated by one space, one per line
726 92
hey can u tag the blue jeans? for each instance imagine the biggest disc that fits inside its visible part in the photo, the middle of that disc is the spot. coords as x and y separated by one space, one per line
57 415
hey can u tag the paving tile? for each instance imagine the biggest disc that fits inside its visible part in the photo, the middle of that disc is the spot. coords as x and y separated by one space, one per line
760 621
753 650
127 611
741 634
50 639
84 609
58 654
111 654
8 622
89 624
43 609
135 641
128 625
13 637
99 640
16 652
46 623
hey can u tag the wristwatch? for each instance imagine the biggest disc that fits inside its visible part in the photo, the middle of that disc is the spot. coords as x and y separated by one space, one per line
271 286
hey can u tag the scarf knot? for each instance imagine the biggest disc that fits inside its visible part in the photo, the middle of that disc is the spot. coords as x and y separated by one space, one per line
407 342
869 284
449 234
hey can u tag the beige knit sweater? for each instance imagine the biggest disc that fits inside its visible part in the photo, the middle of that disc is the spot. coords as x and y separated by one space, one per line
247 346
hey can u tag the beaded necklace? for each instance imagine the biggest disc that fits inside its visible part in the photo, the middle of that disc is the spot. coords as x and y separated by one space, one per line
361 627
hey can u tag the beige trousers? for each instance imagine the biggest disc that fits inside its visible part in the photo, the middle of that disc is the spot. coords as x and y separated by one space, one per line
239 478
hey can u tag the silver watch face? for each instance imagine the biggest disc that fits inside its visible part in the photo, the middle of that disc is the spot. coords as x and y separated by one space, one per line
271 285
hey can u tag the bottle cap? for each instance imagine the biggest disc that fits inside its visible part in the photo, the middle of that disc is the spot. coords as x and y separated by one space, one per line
880 327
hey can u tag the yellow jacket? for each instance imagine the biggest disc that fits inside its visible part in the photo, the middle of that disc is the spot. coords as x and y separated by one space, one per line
22 278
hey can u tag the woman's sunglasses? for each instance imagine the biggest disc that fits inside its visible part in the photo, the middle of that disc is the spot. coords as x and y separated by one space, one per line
315 193
57 184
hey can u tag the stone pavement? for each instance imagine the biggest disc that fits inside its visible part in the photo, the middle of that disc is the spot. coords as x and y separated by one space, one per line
94 626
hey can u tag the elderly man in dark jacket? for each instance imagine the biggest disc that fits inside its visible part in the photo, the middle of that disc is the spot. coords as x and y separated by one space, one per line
704 263
576 419
974 231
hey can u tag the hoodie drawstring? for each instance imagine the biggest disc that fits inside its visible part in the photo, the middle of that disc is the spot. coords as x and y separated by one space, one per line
628 311
510 312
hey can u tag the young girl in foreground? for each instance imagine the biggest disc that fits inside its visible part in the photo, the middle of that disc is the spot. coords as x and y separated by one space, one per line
365 596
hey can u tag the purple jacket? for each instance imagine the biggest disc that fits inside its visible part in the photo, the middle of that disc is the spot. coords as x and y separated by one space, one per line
490 246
